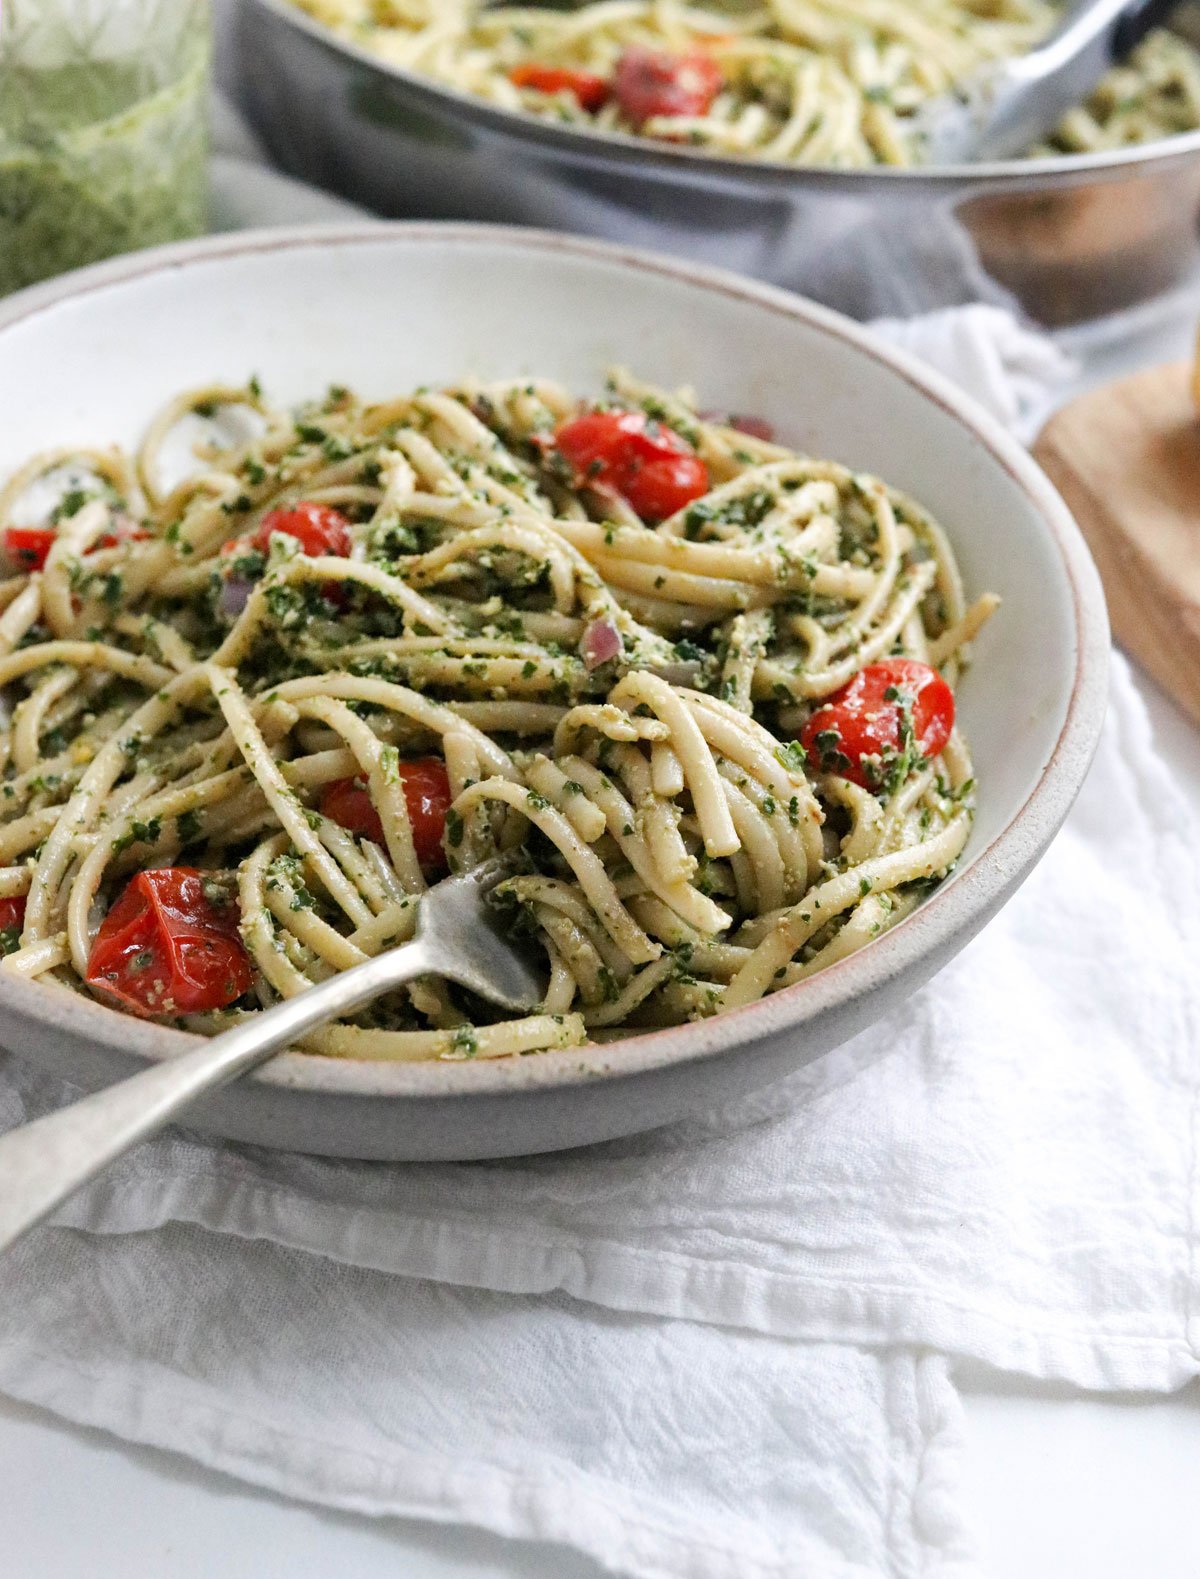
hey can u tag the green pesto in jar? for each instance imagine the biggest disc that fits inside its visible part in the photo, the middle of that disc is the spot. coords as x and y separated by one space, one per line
92 164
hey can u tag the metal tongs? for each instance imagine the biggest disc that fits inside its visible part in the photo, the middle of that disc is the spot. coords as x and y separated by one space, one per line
1011 105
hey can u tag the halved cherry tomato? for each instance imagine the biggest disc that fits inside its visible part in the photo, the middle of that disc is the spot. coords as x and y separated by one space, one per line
317 528
426 795
29 546
347 803
591 93
648 465
168 946
862 731
126 532
650 82
12 914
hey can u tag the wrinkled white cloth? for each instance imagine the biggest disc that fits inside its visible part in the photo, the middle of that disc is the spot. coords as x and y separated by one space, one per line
719 1351
660 1448
1011 371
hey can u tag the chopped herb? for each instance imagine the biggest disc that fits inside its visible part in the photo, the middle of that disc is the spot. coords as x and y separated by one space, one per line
188 826
138 833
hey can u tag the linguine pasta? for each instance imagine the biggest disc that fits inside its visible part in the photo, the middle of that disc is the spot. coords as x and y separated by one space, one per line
620 706
808 82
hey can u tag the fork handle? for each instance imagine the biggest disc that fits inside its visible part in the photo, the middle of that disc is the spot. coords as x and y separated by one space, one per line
44 1162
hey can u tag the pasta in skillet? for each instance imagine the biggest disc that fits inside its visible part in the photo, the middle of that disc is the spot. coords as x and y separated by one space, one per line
698 686
809 82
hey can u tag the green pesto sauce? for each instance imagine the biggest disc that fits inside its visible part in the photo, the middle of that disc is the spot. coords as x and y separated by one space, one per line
91 165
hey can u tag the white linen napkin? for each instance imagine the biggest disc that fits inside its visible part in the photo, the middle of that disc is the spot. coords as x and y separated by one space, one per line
704 1352
661 1449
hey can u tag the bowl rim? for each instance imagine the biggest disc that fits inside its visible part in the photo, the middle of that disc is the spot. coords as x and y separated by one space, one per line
606 148
963 903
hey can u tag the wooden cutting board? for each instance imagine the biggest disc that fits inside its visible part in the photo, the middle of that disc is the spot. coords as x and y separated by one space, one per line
1126 458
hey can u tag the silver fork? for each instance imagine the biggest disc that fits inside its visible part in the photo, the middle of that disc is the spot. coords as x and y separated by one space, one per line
457 937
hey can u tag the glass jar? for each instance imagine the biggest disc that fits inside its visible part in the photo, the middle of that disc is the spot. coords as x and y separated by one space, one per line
103 130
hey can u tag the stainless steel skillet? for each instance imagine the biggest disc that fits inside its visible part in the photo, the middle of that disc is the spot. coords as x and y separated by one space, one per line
1069 238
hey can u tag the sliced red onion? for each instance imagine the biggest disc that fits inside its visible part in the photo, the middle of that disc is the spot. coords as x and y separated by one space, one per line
752 427
235 594
755 428
601 642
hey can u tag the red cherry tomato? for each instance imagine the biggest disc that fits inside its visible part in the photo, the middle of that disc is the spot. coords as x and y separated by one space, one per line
347 803
591 92
649 466
318 529
426 795
12 914
859 732
28 546
126 532
651 82
169 947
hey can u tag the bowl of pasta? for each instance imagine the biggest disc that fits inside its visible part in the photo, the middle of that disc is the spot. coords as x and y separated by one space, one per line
339 560
772 137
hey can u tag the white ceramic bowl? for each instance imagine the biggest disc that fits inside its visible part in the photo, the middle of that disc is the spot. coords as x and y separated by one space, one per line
384 308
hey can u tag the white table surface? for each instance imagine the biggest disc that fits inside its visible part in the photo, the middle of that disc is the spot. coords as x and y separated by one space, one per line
1056 1484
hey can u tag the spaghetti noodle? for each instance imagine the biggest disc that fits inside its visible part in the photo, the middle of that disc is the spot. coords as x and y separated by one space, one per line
698 686
808 82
